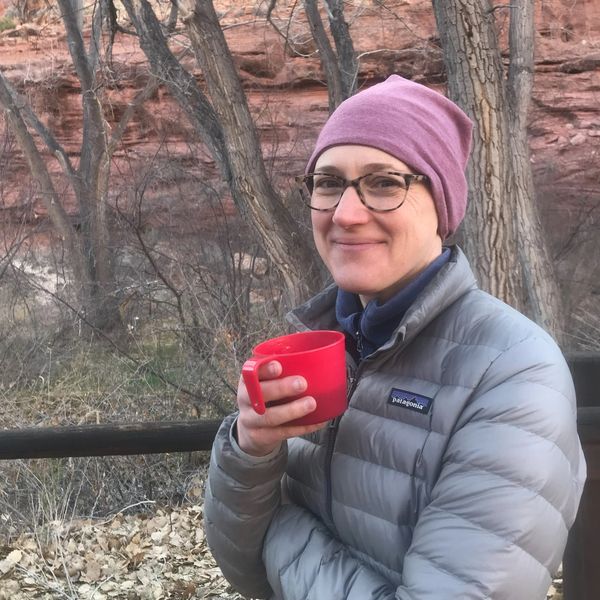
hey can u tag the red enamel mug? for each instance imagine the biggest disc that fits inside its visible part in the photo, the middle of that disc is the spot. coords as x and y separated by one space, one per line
318 356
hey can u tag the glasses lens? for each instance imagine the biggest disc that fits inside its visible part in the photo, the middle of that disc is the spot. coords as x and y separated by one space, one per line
322 191
379 191
384 191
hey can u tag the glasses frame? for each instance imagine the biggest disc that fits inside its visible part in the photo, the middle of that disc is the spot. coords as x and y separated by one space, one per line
355 183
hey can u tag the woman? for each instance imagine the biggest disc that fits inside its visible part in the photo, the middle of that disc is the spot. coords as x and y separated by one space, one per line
456 470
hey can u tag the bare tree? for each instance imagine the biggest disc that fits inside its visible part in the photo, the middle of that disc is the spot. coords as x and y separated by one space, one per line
340 66
347 60
225 125
88 239
502 232
329 63
14 115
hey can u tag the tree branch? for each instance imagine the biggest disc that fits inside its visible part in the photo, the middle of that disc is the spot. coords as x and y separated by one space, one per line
51 142
39 172
521 67
117 133
284 34
96 36
173 13
182 84
347 63
329 61
76 46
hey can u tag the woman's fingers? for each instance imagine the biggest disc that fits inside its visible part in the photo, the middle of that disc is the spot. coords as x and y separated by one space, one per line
275 388
261 434
269 370
278 415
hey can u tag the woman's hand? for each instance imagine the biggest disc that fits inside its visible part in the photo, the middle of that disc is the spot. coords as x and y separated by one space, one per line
259 435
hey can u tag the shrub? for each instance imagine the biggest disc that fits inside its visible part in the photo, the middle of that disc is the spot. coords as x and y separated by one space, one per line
6 23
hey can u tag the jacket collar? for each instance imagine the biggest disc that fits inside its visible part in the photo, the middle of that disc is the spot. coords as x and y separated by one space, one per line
453 280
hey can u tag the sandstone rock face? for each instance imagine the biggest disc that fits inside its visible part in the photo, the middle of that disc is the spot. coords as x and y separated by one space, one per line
286 92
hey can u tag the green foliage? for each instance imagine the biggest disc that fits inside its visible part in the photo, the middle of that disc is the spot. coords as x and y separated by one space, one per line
6 23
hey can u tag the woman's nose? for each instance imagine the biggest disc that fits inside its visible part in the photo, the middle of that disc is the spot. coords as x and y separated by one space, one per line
350 209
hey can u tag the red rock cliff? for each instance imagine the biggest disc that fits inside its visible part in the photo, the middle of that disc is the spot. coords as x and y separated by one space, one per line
285 88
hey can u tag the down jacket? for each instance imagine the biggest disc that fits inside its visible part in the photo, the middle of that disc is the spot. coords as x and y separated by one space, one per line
455 472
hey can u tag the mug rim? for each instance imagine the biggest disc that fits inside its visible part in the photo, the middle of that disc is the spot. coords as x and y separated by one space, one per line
338 336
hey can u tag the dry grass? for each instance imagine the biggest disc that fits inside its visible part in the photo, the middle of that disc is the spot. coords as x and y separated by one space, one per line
108 527
59 518
586 332
92 385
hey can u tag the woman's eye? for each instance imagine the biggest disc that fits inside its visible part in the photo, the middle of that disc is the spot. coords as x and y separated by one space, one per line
327 184
385 183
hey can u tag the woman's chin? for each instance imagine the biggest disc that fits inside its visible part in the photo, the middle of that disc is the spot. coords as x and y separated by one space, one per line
356 287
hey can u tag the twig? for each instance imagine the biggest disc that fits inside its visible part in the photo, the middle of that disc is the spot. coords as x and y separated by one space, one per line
143 367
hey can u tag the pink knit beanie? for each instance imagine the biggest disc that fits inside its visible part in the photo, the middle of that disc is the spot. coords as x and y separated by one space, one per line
418 126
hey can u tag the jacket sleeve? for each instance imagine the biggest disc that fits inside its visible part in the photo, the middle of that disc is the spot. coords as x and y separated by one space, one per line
497 523
242 494
304 561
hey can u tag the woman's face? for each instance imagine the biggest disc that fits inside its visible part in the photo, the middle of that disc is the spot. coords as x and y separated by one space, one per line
368 253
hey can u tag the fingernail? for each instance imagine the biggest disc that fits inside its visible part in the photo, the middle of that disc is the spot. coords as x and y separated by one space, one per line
310 404
273 368
299 384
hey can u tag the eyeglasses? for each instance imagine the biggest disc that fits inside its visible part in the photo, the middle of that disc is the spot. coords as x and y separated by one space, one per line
381 191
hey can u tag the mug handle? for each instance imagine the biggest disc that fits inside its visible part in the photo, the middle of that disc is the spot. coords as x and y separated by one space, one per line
250 377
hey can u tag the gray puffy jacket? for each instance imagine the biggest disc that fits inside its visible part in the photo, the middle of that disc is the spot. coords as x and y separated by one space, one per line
455 473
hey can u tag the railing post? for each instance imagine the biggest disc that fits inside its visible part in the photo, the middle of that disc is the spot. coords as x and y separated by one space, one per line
581 562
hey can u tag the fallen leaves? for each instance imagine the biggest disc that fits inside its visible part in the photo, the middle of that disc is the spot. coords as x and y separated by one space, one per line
130 557
8 564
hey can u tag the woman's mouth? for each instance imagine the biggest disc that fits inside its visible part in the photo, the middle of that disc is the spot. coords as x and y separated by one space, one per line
355 245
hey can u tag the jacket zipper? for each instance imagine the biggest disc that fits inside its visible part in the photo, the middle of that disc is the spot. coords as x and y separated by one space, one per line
359 343
332 430
331 435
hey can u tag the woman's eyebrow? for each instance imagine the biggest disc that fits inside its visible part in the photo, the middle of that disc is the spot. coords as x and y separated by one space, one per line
364 168
379 167
329 169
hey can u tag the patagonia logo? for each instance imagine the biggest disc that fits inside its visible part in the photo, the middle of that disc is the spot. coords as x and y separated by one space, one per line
410 400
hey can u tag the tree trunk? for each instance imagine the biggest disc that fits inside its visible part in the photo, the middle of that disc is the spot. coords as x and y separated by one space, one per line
348 65
230 134
78 12
501 233
39 172
539 279
280 235
102 310
474 70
